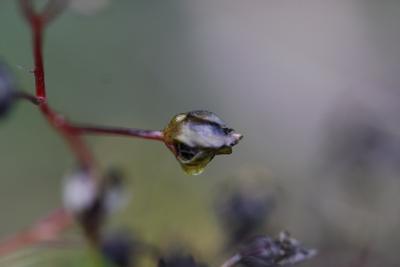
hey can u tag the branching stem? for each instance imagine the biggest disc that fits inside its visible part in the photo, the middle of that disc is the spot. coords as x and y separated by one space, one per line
130 132
27 96
82 129
232 261
48 228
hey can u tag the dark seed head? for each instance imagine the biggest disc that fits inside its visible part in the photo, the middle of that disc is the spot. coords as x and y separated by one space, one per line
119 249
243 215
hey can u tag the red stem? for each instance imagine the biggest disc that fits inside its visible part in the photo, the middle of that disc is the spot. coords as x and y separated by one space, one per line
49 228
27 96
131 132
59 220
54 119
37 31
81 129
70 135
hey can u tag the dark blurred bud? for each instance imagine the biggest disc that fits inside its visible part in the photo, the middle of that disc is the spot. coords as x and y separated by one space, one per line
92 202
7 89
83 198
243 215
82 193
114 195
267 252
179 261
244 204
196 137
119 249
357 141
79 192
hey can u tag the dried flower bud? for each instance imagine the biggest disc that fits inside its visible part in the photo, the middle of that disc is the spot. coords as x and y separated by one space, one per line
268 252
196 137
7 88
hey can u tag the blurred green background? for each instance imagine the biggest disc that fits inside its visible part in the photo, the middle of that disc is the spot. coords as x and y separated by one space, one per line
290 76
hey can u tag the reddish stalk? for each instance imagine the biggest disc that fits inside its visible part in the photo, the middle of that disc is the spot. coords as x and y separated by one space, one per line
49 228
27 96
81 129
37 36
70 135
46 229
130 132
38 23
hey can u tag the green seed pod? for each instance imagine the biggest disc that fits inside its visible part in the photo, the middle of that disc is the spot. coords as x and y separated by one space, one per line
196 137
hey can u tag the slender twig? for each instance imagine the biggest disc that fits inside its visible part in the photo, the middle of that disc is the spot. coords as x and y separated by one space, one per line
75 142
27 96
232 261
26 8
38 25
53 9
81 129
48 229
132 132
59 220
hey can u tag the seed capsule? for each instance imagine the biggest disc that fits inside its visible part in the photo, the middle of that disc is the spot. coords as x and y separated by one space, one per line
196 137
